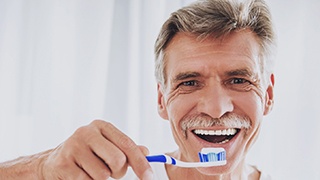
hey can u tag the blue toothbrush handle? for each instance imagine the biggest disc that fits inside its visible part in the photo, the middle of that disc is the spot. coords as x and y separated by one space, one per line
157 158
161 159
170 160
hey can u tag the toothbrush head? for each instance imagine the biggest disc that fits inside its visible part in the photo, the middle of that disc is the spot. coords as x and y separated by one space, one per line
212 155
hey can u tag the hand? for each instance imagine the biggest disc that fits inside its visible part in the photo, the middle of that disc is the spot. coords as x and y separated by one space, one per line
96 151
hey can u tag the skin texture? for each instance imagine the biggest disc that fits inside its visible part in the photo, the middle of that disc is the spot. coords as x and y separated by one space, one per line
214 78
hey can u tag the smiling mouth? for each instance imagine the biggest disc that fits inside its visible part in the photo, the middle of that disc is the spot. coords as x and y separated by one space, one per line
216 136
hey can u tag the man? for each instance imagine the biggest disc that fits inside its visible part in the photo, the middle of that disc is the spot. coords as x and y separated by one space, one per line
214 76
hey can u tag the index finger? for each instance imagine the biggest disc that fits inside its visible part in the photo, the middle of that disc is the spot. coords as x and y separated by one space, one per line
135 156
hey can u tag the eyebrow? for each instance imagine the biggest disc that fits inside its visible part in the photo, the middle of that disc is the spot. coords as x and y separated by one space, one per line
240 72
237 72
185 75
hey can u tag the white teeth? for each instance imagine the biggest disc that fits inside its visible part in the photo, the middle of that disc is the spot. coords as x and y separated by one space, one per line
219 132
225 141
225 132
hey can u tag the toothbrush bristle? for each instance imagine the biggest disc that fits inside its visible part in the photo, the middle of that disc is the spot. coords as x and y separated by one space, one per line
212 155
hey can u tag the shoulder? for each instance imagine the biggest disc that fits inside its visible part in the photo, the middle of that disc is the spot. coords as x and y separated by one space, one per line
263 174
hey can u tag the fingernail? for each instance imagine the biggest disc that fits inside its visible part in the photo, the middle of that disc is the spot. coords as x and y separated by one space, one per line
148 175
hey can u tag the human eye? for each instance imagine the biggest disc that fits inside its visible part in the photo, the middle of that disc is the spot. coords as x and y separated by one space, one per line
189 86
239 81
189 83
239 84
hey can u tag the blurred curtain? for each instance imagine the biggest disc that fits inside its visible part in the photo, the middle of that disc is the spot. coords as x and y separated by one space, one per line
54 57
66 63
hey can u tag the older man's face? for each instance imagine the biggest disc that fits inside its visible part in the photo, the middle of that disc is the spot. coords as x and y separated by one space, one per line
215 95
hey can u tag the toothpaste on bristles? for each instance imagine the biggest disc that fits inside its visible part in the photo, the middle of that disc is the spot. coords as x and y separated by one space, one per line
212 155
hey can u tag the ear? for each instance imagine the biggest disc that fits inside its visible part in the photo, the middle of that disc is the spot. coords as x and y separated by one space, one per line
269 96
162 110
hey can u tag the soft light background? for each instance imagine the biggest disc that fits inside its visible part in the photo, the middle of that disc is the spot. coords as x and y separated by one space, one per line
64 63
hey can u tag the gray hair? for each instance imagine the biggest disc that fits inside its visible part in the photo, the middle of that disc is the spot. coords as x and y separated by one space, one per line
218 18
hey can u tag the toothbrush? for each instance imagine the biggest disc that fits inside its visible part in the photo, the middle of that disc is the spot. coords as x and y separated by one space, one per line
208 157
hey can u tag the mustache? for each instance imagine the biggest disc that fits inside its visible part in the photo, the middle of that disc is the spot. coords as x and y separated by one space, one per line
229 120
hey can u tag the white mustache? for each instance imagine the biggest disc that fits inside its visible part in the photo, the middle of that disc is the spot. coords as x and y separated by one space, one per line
228 120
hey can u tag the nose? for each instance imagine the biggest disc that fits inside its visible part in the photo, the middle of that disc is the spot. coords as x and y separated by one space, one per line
215 102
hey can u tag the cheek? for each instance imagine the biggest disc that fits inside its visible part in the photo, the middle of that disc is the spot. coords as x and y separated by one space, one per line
251 105
177 108
179 105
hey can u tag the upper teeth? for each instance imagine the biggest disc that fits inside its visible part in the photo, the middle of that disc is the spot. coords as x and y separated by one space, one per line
224 132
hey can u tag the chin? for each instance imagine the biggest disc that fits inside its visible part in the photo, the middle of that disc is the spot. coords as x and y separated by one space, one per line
216 171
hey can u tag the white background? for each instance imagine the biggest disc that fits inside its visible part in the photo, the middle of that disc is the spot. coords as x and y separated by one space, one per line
64 63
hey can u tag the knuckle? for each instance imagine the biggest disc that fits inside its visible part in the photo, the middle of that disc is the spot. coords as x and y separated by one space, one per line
118 162
118 165
102 125
84 134
98 122
119 173
79 176
127 144
107 125
105 174
102 174
82 131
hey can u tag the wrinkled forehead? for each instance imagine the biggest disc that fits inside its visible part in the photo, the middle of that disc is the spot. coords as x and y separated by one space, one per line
186 51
